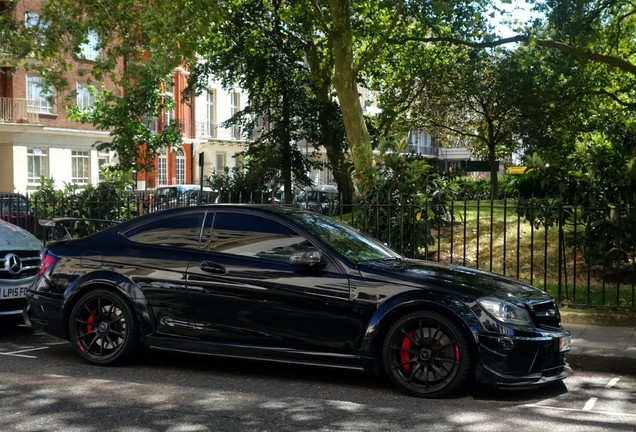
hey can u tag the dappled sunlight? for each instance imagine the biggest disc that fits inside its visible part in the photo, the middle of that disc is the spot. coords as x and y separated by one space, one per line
197 400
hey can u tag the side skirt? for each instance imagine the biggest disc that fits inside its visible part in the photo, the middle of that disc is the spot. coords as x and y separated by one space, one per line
269 354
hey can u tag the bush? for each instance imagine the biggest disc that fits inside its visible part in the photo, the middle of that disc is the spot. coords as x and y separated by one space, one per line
404 200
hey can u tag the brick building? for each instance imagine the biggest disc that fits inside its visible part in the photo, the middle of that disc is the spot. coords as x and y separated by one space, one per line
38 139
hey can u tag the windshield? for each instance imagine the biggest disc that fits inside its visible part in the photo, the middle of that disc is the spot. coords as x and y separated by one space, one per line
354 245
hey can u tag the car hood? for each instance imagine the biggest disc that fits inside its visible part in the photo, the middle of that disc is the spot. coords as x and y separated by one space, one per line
15 238
462 280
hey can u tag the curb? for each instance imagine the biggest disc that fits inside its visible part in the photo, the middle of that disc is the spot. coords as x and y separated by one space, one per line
609 318
610 361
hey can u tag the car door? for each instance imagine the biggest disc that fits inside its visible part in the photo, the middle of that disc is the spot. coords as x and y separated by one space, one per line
158 259
249 293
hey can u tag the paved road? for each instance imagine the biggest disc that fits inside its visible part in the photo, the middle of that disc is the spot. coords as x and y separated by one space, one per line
45 387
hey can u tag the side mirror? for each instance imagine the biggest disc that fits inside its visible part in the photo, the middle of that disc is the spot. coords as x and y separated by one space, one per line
307 257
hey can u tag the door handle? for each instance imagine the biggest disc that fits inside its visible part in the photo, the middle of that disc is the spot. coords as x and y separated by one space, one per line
211 267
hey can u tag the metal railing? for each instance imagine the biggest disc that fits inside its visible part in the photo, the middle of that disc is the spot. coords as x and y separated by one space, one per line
13 110
565 254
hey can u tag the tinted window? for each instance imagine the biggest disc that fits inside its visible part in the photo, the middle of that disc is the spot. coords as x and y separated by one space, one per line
251 235
354 245
182 231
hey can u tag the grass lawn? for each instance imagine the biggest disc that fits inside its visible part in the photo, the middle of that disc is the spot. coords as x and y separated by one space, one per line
491 236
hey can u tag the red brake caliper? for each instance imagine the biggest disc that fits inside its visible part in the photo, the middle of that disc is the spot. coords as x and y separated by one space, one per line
89 328
404 355
91 321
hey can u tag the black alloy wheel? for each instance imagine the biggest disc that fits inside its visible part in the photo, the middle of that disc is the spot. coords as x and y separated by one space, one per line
103 328
427 355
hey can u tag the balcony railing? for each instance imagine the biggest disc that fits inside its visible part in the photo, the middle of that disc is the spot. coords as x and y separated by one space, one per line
205 129
16 111
422 150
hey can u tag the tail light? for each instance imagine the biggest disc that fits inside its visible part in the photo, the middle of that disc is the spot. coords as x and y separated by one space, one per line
48 261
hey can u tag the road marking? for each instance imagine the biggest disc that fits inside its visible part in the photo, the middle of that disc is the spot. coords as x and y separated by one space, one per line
590 404
609 413
611 383
19 353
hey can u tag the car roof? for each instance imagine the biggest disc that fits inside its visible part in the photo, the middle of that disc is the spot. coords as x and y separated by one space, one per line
11 194
184 187
321 188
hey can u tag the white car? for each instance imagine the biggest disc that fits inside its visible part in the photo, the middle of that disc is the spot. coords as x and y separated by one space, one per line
20 255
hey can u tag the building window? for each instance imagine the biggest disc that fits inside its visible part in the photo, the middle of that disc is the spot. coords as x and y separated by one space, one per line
85 99
210 127
80 161
39 99
221 159
31 19
150 123
169 95
180 159
103 161
162 170
33 22
234 109
89 50
37 165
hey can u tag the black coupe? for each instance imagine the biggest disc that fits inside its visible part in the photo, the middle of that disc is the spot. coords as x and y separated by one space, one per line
287 285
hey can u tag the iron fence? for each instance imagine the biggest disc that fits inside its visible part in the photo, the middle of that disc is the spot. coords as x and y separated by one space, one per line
582 255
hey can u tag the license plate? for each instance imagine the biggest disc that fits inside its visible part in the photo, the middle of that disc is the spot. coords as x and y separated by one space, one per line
565 343
12 293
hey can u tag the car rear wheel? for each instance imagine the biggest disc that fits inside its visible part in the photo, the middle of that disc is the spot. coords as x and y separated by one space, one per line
103 328
425 354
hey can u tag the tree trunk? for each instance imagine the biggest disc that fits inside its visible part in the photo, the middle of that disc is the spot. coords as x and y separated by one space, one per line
331 140
345 83
494 171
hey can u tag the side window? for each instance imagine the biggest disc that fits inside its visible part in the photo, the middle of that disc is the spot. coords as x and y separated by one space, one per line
182 232
251 236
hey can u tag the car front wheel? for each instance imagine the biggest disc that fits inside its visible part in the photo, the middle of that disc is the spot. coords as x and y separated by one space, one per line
425 354
103 328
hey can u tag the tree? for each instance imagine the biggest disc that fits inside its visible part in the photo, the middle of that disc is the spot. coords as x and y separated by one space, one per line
343 43
474 103
15 40
252 48
136 57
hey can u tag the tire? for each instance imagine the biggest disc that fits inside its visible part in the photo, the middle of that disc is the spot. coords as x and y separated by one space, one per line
426 355
103 328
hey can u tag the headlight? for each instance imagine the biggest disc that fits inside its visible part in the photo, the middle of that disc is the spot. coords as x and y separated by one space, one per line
505 312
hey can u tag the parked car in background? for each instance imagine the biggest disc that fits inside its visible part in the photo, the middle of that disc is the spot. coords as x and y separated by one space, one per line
323 199
16 209
20 255
166 197
276 283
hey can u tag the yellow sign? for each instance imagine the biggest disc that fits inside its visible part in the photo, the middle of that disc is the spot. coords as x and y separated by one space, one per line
516 170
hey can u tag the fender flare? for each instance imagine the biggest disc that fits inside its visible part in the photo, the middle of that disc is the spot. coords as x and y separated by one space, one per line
118 283
389 311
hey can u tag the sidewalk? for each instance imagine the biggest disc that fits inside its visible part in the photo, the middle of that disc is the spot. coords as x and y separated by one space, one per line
602 347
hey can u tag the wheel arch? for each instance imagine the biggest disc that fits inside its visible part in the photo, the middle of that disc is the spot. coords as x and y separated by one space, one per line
387 314
117 283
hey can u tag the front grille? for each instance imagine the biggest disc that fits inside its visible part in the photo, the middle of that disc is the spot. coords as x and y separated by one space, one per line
546 314
27 264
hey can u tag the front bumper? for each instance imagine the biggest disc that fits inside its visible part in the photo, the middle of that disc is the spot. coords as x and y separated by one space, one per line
12 307
521 360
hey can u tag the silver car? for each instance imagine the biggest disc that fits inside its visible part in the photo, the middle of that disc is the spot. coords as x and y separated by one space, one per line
20 254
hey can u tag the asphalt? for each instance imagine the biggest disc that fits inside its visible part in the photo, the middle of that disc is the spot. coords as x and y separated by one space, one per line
605 348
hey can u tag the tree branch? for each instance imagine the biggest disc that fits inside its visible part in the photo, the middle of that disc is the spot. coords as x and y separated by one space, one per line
576 52
370 55
616 99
